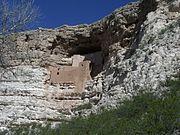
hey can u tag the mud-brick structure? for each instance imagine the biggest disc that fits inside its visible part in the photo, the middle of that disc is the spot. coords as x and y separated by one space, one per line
76 74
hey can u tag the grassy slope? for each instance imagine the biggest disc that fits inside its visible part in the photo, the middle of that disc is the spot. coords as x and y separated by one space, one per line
145 114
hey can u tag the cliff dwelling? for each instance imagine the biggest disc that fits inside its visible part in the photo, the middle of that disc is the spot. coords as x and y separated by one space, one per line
81 69
76 74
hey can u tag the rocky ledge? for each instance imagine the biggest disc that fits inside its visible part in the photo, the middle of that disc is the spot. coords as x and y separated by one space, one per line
140 48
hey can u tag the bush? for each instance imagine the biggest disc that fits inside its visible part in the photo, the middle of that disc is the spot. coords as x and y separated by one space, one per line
144 114
84 106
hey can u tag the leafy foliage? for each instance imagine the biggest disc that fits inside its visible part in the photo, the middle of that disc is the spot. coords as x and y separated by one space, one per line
145 114
84 106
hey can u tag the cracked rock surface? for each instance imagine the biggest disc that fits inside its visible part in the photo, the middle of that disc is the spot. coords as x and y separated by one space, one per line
140 48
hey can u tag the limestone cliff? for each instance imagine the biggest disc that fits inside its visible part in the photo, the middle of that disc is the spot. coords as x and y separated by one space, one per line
139 47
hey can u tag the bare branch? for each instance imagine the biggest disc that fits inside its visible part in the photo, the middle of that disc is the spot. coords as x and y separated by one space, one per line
15 16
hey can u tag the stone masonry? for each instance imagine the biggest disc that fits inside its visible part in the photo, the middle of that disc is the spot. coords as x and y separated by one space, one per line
77 74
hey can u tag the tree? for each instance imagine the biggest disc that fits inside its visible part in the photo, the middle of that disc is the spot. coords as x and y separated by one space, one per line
15 16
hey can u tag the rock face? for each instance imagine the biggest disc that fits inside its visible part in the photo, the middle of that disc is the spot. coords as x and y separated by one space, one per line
138 47
25 98
175 6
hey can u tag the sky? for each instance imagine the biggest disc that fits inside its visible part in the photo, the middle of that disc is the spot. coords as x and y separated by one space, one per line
55 13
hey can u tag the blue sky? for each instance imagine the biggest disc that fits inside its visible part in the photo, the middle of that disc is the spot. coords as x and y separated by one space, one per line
54 13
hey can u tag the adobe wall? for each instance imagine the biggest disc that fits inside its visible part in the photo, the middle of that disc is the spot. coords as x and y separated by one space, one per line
77 59
71 75
81 69
63 74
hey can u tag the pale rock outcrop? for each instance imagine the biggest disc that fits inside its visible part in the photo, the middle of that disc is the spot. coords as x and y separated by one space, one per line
175 6
140 47
25 98
155 57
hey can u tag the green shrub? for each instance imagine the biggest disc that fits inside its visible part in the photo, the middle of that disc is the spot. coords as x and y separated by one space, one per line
84 106
170 27
144 114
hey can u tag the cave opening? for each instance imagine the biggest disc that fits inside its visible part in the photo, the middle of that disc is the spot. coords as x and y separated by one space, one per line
93 54
96 65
